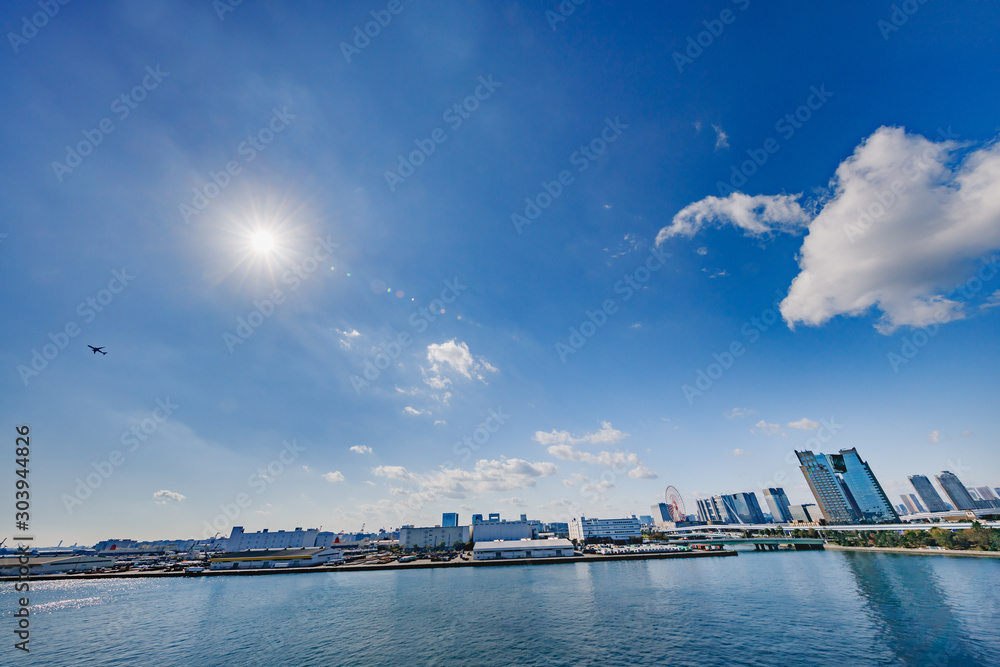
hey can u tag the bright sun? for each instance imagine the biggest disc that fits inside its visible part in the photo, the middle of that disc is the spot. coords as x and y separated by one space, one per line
263 242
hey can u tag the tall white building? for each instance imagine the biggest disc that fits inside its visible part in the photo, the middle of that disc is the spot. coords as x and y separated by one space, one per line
619 530
264 539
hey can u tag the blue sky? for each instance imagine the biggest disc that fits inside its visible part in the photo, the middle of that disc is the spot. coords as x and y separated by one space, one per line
261 126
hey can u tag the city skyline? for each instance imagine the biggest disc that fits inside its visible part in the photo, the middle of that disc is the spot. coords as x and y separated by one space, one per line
401 276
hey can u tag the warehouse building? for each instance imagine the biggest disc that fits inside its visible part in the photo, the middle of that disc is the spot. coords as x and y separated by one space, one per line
499 549
268 558
10 565
432 536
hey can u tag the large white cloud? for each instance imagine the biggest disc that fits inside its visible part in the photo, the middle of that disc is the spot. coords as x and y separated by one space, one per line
904 226
756 215
907 221
560 445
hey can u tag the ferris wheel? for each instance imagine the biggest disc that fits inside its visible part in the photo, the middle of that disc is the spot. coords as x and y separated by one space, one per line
675 504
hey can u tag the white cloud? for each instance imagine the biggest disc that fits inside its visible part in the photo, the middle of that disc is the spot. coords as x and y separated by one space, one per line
607 435
353 333
456 357
739 412
721 138
335 476
440 422
992 302
361 449
934 436
501 474
164 496
392 472
767 429
702 251
369 482
642 472
515 501
740 452
804 424
413 411
905 224
756 215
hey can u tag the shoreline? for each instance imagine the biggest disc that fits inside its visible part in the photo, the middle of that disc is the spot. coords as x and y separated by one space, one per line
589 558
917 552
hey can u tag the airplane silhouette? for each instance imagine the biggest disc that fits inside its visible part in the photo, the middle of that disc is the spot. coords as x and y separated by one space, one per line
97 349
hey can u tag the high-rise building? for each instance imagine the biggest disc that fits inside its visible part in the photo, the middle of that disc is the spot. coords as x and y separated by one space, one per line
778 503
807 513
955 490
845 487
746 507
926 491
449 519
869 497
826 488
986 493
477 518
912 503
708 511
901 510
661 514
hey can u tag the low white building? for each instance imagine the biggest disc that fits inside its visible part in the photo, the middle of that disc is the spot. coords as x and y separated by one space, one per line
265 539
618 530
10 565
497 549
432 536
268 558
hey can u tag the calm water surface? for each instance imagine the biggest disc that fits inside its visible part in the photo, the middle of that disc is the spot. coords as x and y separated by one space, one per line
774 608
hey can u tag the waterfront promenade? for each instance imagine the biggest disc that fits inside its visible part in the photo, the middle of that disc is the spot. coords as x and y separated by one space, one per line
370 567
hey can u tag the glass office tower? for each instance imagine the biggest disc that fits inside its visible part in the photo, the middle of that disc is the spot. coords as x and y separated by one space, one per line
826 488
956 491
778 503
449 519
926 491
869 497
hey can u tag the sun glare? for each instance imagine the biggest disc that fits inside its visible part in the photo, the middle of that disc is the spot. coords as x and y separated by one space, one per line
263 242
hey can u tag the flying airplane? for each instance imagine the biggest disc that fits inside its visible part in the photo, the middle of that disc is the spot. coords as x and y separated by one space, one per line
97 349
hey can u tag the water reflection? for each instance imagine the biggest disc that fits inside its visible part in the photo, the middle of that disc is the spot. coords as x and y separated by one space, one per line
910 610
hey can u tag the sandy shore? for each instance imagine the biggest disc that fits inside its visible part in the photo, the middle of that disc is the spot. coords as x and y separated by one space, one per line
416 565
918 552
